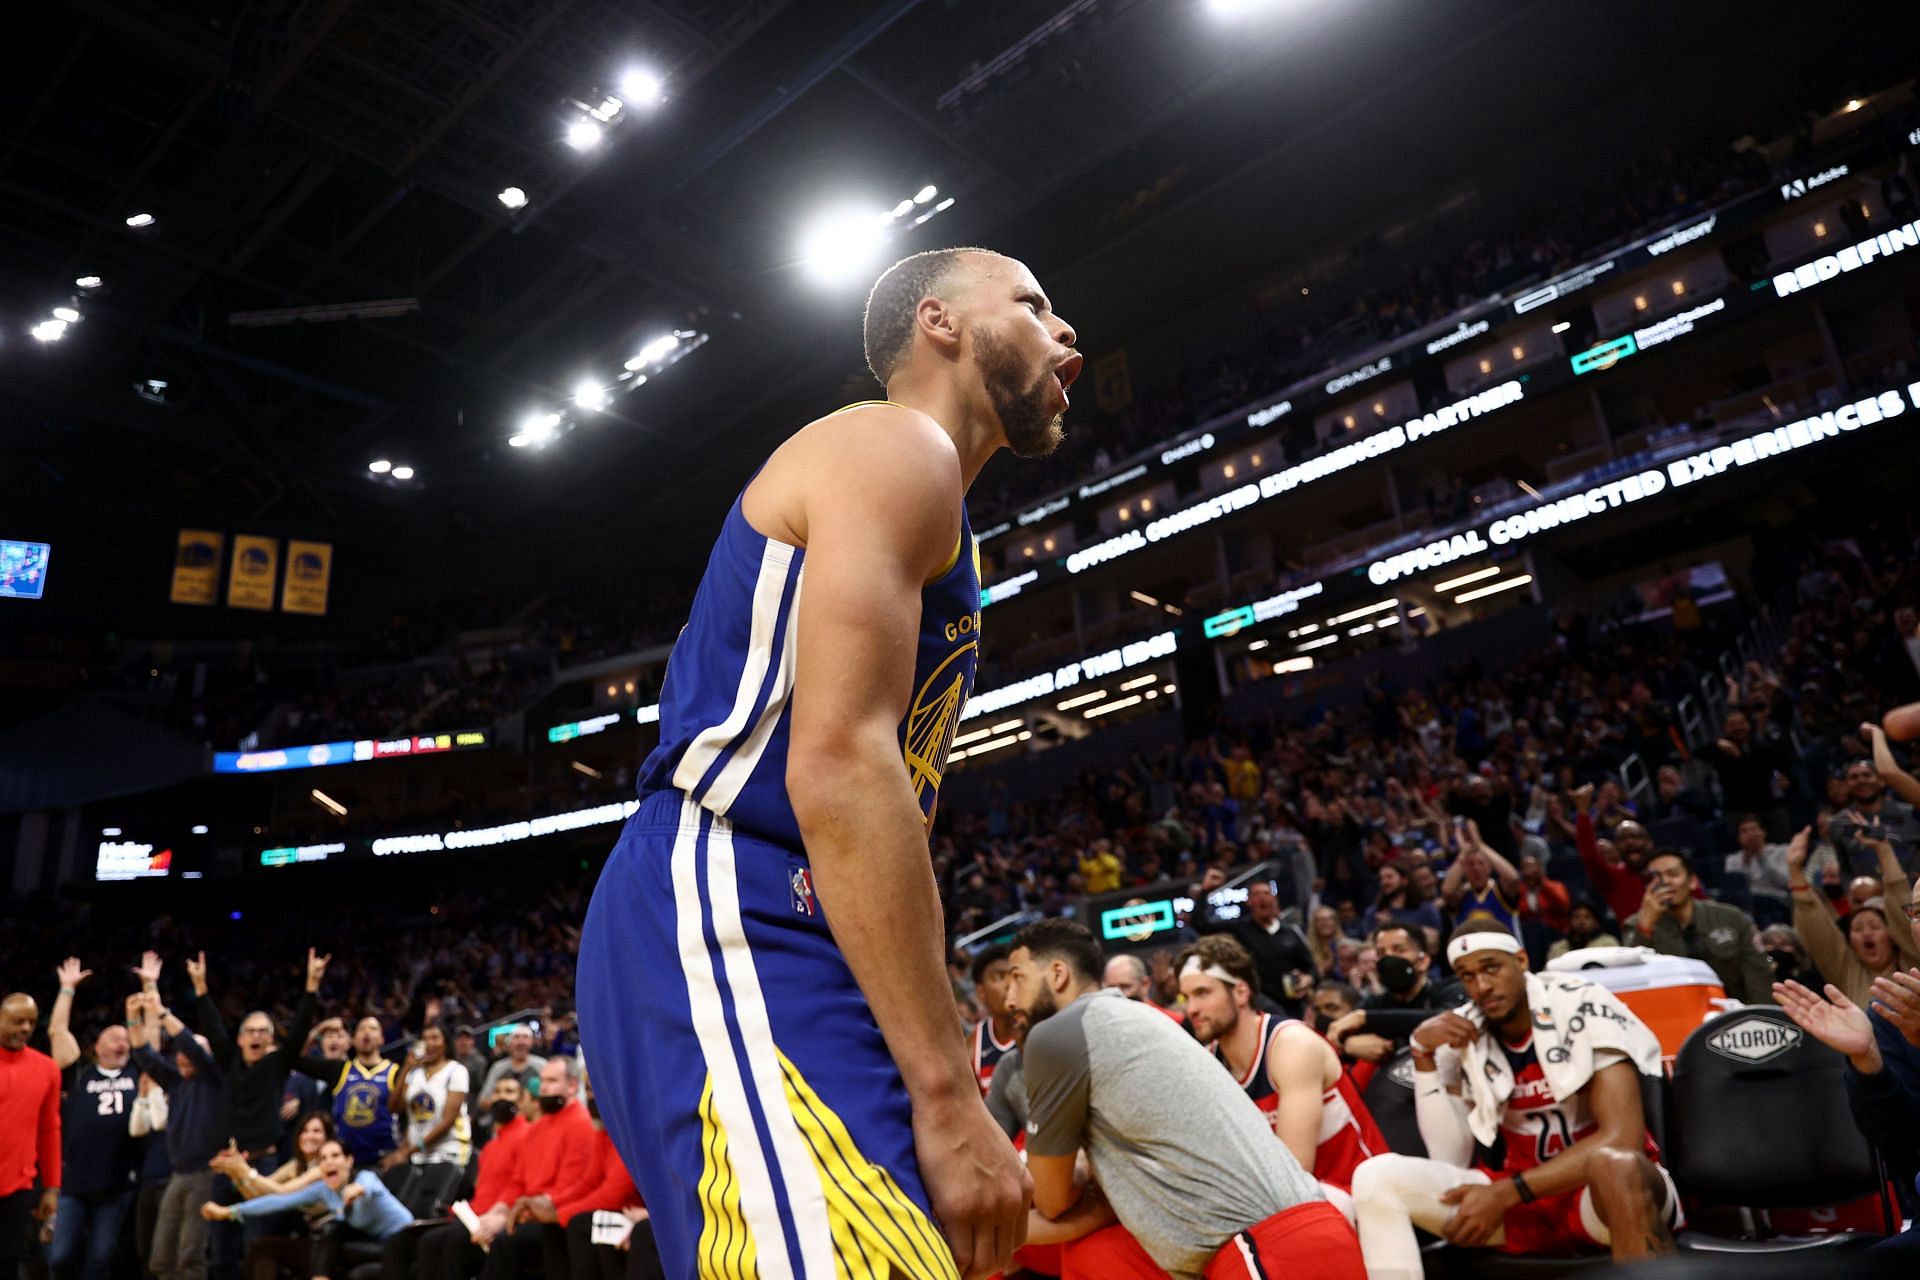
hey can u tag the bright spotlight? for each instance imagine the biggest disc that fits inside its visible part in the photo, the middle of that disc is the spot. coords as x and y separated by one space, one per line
67 314
843 243
380 466
514 198
589 394
902 209
641 87
49 330
520 441
540 427
88 282
583 135
139 220
200 829
925 193
403 473
656 350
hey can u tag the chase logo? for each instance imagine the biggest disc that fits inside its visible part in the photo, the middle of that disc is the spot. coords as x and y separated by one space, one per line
1755 1039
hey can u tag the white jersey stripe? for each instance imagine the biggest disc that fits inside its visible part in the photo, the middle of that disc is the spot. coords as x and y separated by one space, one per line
734 774
711 741
806 1197
710 1028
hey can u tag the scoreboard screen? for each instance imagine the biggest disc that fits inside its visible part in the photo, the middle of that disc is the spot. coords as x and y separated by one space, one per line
23 569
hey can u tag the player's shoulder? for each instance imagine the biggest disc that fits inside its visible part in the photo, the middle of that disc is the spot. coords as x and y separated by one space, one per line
882 433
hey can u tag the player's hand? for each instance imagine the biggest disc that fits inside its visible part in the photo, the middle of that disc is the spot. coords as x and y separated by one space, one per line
1444 1029
979 1189
70 973
1478 1212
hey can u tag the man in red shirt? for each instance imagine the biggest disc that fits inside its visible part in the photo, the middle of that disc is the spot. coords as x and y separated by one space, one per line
450 1252
1624 883
29 1131
555 1154
604 1186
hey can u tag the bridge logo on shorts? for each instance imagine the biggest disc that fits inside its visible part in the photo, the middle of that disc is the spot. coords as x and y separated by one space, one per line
932 721
1755 1039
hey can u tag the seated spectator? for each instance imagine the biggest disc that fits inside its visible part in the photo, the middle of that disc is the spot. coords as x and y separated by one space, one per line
1869 805
362 1208
521 1060
290 1245
1879 934
603 1187
1409 995
555 1154
1127 974
1584 929
1543 901
1365 974
1323 935
1564 1094
1674 922
1675 799
1764 864
452 1252
1331 1002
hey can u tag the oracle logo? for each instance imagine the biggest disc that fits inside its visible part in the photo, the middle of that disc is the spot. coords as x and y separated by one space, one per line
1755 1039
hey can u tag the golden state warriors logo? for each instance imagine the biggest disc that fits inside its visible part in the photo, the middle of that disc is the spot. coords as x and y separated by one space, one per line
360 1105
931 724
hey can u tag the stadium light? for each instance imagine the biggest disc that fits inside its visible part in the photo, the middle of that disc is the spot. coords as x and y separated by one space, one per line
589 394
328 803
843 243
538 429
583 135
88 282
200 829
641 87
1235 8
66 315
140 221
379 466
925 193
403 473
514 198
49 330
519 440
655 350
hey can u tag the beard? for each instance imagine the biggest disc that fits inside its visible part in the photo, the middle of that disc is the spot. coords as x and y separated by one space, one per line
1025 410
1217 1030
1044 1006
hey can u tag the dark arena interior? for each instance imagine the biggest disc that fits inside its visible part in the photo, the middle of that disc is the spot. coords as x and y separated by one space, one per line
1467 644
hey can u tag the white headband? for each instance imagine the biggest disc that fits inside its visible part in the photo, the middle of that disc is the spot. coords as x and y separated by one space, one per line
1208 971
1468 943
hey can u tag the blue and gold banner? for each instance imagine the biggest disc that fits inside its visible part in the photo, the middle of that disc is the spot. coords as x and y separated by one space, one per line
309 573
196 567
256 561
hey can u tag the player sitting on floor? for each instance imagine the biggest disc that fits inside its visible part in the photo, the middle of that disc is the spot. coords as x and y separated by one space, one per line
1289 1070
1549 1066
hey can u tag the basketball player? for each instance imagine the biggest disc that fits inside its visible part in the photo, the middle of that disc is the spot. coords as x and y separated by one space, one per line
1576 1171
993 1035
1289 1070
762 984
1186 1163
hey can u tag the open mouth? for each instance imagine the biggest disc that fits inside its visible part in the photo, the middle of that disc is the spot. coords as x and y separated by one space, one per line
1068 372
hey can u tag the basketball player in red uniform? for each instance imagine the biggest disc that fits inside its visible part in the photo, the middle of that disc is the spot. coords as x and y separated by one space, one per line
1289 1070
993 1036
1579 1169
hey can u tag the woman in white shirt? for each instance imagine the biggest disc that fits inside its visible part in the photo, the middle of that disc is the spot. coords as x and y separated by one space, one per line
436 1091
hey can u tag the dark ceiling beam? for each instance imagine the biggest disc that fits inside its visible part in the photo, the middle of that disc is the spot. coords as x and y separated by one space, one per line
931 126
790 91
19 129
182 116
175 42
297 56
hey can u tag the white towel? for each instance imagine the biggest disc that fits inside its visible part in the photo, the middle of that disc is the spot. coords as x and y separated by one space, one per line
1573 1019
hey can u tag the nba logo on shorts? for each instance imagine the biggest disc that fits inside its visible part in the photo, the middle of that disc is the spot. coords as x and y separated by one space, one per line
801 881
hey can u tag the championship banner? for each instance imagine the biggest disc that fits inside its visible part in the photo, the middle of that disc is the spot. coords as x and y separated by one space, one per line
250 581
309 572
1112 382
196 567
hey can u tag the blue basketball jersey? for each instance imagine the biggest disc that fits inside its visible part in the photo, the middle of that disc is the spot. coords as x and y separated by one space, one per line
363 1109
725 707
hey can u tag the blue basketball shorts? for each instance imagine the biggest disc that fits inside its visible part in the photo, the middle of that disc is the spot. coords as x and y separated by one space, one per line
737 1066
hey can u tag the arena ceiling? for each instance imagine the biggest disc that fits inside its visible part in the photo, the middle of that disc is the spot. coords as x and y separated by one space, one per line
1144 155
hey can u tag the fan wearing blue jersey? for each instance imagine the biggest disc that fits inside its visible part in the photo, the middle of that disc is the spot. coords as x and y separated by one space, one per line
762 985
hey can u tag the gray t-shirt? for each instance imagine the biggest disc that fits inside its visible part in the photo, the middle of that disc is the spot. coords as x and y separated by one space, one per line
1007 1093
1182 1153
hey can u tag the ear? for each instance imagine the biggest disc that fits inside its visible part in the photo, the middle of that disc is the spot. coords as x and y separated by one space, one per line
936 320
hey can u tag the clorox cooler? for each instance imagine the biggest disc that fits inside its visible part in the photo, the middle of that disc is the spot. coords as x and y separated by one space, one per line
1671 994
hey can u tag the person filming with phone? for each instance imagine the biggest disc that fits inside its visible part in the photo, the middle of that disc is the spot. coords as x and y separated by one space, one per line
1674 922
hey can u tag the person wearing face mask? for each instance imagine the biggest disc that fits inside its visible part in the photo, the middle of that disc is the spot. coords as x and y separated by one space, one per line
1788 956
1879 934
556 1154
603 1186
452 1252
1383 1023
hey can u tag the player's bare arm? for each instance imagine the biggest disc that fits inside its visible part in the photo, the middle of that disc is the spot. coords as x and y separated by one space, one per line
870 548
1297 1066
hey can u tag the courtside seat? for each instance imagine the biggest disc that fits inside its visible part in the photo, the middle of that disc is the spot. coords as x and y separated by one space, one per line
1760 1121
1389 1096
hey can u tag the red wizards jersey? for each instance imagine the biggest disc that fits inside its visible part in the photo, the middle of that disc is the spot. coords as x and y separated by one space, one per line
987 1053
1347 1135
1536 1126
